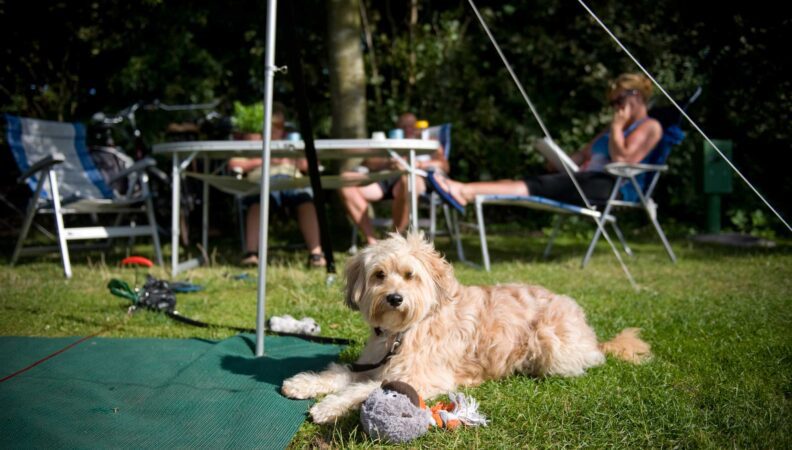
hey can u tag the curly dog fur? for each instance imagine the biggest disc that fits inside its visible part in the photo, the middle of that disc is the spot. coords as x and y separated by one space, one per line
451 335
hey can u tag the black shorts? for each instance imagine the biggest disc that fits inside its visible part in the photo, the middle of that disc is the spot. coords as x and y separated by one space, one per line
558 186
387 187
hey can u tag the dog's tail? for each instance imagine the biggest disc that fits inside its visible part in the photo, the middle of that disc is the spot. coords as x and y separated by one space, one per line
627 346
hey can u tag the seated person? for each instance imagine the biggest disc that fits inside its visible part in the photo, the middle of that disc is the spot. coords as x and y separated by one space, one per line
299 199
630 137
356 198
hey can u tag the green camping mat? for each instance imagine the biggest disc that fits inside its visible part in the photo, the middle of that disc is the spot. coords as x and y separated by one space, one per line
144 393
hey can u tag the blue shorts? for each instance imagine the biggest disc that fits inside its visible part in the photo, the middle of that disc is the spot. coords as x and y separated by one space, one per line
287 198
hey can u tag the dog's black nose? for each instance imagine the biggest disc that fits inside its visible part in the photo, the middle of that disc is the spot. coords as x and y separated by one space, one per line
394 299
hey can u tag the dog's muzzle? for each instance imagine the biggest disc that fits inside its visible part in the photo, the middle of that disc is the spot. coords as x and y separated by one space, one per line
394 299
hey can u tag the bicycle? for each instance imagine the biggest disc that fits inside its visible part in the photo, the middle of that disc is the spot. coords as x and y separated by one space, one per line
110 157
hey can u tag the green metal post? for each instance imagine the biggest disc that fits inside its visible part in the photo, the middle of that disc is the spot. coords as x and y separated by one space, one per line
717 180
713 213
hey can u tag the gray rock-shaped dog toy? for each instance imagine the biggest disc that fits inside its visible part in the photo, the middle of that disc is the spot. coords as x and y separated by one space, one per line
392 414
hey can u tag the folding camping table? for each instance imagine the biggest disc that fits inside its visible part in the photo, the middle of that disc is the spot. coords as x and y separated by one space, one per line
183 153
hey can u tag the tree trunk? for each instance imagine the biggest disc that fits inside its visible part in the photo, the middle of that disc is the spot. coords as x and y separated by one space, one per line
347 73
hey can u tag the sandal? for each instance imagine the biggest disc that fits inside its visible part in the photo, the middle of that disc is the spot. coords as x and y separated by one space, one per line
444 194
316 260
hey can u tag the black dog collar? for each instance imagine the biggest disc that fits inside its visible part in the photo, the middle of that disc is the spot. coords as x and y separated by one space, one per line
355 367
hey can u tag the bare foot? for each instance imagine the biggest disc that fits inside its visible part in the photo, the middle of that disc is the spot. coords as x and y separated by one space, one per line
454 188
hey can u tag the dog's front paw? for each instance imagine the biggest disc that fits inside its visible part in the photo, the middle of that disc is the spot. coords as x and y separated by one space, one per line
325 412
300 386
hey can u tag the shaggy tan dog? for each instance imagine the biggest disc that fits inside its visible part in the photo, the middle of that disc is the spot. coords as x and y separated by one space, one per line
435 334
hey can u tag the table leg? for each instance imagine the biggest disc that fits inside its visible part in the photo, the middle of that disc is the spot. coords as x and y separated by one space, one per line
205 218
413 193
175 203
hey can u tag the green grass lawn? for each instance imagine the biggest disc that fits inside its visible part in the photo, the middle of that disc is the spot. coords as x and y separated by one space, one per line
718 321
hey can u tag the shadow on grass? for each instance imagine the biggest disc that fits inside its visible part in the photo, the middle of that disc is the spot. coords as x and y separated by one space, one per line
525 249
274 370
704 251
529 248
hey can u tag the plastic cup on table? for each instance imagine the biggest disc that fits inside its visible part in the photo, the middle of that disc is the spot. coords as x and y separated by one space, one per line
293 136
378 135
396 133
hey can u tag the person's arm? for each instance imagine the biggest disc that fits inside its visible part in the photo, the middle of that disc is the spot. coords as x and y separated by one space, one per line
376 164
438 161
637 145
580 157
302 165
244 164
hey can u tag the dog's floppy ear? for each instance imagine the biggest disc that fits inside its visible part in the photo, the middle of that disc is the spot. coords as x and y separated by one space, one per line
355 274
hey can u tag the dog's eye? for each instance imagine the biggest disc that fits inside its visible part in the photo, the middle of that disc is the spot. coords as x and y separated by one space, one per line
380 275
409 276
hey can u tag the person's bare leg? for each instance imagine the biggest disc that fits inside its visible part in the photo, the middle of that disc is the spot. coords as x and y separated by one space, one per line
356 200
465 193
309 226
401 202
252 228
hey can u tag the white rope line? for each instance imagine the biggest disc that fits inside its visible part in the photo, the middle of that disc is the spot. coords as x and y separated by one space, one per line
511 72
567 169
516 80
718 150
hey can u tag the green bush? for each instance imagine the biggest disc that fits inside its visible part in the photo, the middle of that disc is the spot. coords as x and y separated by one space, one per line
248 118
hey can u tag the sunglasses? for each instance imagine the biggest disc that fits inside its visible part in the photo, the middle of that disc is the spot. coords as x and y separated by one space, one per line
618 101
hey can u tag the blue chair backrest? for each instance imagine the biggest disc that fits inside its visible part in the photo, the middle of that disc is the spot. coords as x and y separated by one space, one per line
672 136
32 139
441 133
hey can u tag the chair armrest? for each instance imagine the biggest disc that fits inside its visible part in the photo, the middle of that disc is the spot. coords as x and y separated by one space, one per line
139 166
627 170
43 163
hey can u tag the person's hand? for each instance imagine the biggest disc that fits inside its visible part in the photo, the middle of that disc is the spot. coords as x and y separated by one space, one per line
244 164
238 165
622 115
394 164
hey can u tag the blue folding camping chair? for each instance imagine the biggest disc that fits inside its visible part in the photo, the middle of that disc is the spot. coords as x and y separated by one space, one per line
635 184
442 134
634 188
54 161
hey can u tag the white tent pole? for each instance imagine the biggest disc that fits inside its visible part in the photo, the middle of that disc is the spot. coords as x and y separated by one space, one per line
684 114
269 73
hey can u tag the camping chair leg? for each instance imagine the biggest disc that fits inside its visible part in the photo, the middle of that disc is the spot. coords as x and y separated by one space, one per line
653 217
651 210
432 216
482 234
56 206
131 241
619 234
556 226
452 223
24 214
601 222
448 221
31 212
152 219
154 231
